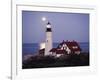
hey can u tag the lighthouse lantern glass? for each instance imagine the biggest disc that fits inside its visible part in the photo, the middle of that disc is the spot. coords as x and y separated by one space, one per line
48 26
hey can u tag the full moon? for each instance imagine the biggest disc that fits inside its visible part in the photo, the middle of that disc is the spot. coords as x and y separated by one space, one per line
43 18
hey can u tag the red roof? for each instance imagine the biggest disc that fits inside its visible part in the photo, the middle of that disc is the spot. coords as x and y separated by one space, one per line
70 45
53 50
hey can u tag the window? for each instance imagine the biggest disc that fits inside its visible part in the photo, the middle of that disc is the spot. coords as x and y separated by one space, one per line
75 47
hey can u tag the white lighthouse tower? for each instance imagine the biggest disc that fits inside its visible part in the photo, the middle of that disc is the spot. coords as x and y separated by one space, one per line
48 42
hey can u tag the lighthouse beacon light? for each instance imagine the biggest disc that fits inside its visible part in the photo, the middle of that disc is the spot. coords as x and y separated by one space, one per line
48 26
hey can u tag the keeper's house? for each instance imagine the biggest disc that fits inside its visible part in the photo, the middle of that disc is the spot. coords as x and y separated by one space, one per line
66 47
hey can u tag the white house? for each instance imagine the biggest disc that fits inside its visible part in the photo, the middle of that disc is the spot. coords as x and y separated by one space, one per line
66 47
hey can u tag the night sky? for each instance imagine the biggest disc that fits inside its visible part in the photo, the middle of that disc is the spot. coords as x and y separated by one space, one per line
65 26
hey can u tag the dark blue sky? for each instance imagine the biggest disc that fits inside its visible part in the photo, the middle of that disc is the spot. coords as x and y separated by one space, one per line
65 26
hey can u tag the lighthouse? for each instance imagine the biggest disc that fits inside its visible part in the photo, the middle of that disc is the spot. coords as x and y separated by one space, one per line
48 42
